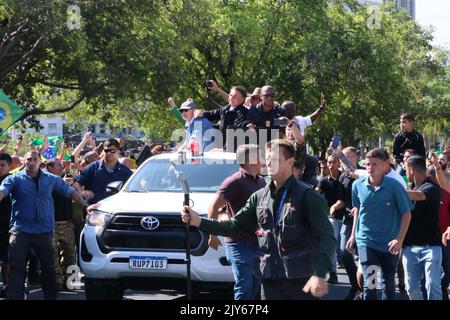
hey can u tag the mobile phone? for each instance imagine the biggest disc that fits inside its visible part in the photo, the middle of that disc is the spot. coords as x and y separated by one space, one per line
280 122
336 140
72 158
346 162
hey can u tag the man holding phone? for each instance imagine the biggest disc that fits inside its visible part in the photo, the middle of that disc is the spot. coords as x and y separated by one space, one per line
230 117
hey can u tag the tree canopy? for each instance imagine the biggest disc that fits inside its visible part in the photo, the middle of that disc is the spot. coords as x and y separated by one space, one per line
126 57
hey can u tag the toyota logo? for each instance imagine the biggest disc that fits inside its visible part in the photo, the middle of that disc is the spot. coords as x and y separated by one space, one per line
149 223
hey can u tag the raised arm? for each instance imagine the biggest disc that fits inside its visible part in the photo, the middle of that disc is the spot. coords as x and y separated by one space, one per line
316 114
297 133
174 111
216 88
440 176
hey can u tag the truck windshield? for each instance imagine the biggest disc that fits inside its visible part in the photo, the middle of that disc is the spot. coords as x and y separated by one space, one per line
159 175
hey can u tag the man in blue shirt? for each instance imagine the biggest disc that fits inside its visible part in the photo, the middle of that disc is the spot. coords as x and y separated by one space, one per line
381 219
196 129
33 222
96 176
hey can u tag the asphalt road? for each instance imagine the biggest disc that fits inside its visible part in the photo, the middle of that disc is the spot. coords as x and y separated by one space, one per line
336 292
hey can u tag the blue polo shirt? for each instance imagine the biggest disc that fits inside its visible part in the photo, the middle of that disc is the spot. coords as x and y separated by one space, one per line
32 202
95 177
380 212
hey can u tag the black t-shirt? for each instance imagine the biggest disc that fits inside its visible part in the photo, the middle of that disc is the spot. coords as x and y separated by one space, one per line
330 189
5 211
424 226
345 192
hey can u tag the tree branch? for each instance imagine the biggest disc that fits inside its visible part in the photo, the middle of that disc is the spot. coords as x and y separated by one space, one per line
11 38
72 86
71 106
24 57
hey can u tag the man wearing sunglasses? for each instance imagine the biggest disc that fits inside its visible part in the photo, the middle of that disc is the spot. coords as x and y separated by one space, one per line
263 117
195 127
96 176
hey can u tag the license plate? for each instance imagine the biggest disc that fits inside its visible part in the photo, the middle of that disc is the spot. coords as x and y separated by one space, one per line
149 263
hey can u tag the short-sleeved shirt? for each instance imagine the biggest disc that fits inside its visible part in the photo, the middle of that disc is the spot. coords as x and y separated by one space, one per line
237 189
424 226
32 201
265 121
96 177
330 189
303 123
380 211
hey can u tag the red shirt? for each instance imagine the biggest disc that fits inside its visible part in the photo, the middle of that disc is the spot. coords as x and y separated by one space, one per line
444 211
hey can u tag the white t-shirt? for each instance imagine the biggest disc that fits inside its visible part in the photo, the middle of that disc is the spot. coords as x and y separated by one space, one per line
303 123
392 174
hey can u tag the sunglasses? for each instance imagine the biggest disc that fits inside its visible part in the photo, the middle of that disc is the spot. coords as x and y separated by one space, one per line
184 110
110 150
269 95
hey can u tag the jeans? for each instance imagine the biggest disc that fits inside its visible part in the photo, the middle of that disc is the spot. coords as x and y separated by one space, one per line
19 246
419 260
371 262
445 266
337 225
242 257
347 258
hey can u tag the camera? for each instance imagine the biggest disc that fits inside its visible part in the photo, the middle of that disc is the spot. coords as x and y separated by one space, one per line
280 122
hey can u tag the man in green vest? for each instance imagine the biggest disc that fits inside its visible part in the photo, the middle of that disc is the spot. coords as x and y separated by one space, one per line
295 237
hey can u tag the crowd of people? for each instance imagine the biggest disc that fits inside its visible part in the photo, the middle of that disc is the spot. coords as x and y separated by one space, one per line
288 231
393 216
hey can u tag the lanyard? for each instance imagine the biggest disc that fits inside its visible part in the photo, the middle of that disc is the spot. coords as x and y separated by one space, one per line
277 216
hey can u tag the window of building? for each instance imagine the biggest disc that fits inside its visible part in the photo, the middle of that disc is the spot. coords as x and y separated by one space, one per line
52 129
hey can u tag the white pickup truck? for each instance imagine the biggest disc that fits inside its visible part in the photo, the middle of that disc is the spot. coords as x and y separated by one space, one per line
136 239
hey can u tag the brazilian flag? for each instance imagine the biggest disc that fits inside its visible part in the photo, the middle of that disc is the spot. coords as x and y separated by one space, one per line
10 112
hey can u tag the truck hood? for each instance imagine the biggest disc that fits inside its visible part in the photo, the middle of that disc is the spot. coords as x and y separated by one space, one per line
155 202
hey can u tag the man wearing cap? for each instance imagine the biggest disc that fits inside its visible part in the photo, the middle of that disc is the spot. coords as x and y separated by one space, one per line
231 117
262 116
195 127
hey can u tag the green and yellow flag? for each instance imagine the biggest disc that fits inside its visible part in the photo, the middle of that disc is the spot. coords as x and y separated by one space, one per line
10 112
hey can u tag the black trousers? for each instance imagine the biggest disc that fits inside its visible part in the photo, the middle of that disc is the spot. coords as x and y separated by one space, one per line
285 289
19 246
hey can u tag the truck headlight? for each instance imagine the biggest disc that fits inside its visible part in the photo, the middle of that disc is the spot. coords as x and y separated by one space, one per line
97 218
